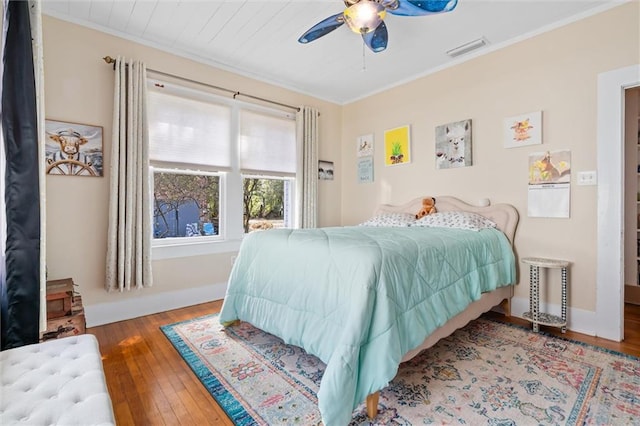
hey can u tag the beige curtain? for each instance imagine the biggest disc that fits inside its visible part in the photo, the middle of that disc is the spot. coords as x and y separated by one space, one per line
129 238
35 15
307 119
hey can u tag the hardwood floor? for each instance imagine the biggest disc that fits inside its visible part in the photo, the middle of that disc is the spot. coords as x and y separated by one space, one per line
150 384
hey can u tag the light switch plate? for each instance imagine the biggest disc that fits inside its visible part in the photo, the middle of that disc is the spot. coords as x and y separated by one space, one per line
587 178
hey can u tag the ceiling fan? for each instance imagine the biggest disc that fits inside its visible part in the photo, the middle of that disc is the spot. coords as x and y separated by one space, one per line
366 17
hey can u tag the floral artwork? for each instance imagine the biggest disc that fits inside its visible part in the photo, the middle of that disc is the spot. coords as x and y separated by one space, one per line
523 130
397 146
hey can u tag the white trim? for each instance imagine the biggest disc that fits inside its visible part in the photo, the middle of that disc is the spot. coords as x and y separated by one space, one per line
193 248
610 267
133 307
578 320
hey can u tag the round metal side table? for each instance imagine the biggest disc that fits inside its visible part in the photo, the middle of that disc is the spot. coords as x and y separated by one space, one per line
534 315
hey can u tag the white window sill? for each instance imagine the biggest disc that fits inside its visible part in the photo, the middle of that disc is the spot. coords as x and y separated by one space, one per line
167 250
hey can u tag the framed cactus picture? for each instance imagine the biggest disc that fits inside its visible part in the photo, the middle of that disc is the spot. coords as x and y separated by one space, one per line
397 146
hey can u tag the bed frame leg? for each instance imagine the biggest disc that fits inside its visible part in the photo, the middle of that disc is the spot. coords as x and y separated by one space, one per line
372 405
506 307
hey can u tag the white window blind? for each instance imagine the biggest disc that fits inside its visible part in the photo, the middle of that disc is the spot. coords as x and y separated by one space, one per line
183 130
267 144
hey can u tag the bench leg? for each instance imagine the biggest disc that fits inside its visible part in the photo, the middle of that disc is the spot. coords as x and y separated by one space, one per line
372 405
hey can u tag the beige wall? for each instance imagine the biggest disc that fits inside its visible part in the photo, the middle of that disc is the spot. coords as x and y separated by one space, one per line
555 72
78 88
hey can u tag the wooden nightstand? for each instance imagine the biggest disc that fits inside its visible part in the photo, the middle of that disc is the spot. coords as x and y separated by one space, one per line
534 315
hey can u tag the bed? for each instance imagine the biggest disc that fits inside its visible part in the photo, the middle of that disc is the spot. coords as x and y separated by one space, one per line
363 299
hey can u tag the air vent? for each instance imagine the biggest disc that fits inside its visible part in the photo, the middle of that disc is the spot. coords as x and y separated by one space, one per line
467 47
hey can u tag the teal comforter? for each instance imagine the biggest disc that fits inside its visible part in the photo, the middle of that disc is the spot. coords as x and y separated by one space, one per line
360 297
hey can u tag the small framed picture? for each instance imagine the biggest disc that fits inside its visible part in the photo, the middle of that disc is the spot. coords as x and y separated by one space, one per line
365 145
365 170
397 146
325 170
453 145
523 130
73 149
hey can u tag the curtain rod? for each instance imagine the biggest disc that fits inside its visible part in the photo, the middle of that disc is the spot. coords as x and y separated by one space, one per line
110 60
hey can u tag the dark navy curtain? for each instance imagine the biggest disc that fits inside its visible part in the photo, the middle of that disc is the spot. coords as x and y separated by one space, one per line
21 289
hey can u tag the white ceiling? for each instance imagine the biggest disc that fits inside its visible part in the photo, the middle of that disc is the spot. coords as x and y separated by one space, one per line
258 38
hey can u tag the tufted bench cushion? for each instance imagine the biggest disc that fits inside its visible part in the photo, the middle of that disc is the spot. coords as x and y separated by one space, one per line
57 382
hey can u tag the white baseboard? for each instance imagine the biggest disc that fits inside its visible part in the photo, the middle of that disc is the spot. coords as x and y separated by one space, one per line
578 320
105 313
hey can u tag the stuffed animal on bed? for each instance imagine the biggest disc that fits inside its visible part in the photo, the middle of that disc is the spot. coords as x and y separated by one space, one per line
428 207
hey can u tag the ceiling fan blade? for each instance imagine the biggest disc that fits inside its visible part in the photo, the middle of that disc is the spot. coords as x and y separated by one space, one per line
377 40
423 7
323 27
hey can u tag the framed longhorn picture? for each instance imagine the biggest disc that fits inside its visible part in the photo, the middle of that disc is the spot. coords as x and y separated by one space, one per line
73 149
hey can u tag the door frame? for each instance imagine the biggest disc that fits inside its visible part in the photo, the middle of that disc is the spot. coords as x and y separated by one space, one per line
610 168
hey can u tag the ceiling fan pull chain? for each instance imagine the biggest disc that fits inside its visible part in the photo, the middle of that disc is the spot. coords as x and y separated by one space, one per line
364 64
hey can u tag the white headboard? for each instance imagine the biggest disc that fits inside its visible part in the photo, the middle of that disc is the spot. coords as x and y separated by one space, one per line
504 215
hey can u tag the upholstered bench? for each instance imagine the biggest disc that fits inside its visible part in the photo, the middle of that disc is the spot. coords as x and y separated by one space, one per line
57 382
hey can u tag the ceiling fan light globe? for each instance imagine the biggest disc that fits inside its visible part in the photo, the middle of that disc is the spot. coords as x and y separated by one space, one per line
364 16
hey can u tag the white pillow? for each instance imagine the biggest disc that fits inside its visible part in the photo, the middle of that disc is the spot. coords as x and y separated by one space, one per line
391 219
458 220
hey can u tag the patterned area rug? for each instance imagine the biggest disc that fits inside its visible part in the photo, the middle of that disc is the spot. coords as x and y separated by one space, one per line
485 373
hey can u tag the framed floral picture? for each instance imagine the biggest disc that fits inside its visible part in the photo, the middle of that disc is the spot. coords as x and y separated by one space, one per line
397 146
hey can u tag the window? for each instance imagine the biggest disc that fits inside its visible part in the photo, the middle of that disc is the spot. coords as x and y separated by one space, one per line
221 168
268 162
265 203
185 205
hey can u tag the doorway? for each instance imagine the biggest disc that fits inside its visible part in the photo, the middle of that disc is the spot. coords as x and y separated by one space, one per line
632 196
